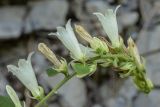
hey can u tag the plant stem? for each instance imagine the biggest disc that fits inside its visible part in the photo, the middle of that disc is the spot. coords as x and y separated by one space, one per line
54 90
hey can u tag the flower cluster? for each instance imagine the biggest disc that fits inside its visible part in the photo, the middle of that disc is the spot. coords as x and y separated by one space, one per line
100 51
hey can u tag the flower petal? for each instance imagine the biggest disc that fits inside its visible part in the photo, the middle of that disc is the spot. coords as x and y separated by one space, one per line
67 37
13 69
29 56
109 23
25 73
88 52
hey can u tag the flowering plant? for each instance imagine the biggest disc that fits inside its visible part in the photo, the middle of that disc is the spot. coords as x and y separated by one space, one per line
85 59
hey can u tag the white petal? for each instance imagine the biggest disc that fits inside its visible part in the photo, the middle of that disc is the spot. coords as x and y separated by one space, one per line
88 52
11 68
25 73
13 96
109 23
22 64
29 56
68 38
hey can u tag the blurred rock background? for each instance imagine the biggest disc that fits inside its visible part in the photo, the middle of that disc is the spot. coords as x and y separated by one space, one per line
25 23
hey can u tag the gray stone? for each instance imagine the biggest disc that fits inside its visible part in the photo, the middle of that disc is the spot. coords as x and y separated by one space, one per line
145 8
151 100
40 62
77 7
3 83
128 18
46 14
130 4
149 42
54 105
73 92
105 92
121 98
91 7
153 68
97 6
128 90
97 105
11 21
117 102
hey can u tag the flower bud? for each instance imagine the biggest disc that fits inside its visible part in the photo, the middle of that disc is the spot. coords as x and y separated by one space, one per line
83 33
99 45
13 96
49 54
59 65
134 53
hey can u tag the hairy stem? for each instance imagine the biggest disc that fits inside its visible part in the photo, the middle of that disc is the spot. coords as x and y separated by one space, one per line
54 90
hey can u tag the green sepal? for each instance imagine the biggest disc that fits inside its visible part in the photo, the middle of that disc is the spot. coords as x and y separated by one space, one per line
124 75
52 72
99 46
128 69
115 62
105 62
144 84
41 96
62 68
5 101
83 70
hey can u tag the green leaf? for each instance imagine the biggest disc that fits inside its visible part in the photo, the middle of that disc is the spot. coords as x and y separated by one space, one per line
52 72
5 101
83 70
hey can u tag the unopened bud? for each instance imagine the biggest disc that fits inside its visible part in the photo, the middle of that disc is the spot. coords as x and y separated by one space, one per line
99 45
49 54
134 52
83 33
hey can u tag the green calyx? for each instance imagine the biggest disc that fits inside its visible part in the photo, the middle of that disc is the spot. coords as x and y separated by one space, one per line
38 94
83 70
63 68
143 84
99 46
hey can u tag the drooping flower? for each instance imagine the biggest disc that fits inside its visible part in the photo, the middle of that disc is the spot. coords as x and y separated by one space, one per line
109 24
68 38
25 73
13 96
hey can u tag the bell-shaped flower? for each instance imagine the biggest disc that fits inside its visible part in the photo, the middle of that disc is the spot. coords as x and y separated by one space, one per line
25 73
109 24
12 94
68 38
